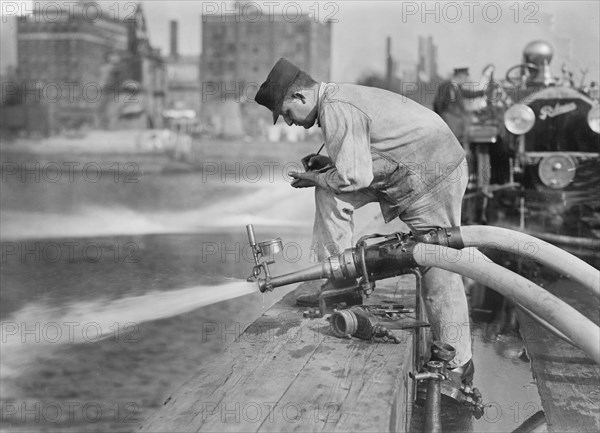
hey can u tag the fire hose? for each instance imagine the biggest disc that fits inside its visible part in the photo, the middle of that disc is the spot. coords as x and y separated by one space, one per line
570 322
437 247
526 246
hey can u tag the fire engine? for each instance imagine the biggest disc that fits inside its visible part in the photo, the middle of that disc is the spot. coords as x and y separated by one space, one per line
535 156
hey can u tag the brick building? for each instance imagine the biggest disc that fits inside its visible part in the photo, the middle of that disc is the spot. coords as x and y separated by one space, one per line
72 67
238 55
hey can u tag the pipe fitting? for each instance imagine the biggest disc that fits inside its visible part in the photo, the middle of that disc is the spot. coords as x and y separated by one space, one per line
426 376
441 351
433 401
388 259
446 237
343 323
434 372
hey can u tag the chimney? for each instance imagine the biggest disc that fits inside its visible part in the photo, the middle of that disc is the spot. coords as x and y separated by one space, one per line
174 52
388 63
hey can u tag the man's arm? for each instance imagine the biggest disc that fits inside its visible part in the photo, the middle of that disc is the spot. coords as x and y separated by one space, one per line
346 131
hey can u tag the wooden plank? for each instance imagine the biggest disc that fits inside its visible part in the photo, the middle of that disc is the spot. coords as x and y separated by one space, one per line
260 353
568 381
289 373
354 385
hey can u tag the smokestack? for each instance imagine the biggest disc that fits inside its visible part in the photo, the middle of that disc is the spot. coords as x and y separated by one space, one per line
174 52
389 62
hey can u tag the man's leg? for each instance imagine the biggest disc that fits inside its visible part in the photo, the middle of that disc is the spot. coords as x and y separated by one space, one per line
334 220
444 295
333 228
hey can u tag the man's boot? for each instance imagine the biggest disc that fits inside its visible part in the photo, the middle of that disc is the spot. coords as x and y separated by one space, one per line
311 299
466 372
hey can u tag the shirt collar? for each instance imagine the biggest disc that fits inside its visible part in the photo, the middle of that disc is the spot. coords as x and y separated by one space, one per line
321 92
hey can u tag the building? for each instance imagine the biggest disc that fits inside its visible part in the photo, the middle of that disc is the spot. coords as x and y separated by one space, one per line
427 70
79 71
238 55
144 69
8 46
8 59
65 61
183 77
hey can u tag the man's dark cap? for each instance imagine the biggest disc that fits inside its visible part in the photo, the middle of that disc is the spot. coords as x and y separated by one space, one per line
272 92
461 71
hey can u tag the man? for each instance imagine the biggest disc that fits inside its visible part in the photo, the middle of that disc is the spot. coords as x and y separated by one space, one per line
384 148
456 97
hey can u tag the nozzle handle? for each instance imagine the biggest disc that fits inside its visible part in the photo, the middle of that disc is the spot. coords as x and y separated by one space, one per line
251 238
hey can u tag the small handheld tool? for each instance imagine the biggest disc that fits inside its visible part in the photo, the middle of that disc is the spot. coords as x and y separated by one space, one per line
323 163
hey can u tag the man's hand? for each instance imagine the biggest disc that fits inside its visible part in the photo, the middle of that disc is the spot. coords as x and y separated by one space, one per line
316 162
303 180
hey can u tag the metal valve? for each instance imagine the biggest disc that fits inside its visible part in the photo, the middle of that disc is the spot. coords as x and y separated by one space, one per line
262 249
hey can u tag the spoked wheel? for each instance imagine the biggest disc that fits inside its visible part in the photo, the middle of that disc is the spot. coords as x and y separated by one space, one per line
517 73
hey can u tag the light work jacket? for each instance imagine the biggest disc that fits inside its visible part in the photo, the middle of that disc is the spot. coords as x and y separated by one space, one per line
383 142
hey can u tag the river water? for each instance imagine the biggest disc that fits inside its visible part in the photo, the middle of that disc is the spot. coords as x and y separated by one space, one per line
114 293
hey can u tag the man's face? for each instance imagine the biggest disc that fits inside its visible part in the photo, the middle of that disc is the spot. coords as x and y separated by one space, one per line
297 110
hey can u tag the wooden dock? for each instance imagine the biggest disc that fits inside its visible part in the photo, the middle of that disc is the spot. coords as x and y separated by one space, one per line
568 381
290 373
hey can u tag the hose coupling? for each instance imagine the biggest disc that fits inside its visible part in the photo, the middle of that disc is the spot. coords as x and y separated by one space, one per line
358 322
443 236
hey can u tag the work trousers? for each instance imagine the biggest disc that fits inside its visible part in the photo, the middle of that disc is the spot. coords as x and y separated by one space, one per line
443 292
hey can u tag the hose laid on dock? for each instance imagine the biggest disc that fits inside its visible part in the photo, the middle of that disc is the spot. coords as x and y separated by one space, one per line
546 325
473 264
575 241
546 254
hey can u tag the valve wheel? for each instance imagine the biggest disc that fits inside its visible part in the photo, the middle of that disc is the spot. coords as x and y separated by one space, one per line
517 80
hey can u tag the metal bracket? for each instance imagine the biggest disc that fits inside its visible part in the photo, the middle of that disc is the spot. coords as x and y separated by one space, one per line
365 285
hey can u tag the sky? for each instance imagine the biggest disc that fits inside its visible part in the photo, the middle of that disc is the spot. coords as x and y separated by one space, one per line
468 33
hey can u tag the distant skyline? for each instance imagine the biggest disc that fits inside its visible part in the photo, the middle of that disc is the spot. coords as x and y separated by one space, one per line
358 38
464 32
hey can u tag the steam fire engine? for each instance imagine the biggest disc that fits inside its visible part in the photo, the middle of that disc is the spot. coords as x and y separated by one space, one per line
535 156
